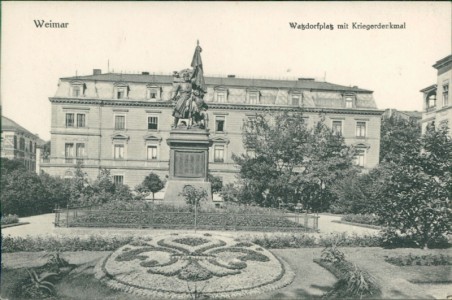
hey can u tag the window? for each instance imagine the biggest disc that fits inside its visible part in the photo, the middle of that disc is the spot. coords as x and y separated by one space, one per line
152 152
296 100
76 91
360 157
15 142
119 152
22 144
153 123
30 146
221 97
121 93
337 127
446 94
219 124
81 120
254 98
70 120
218 153
152 92
431 101
348 102
120 122
360 129
80 150
118 179
69 152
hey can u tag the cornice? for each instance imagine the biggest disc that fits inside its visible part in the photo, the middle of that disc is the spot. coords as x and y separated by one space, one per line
219 106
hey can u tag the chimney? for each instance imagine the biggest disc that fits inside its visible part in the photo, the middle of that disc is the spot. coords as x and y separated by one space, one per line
97 71
355 86
305 79
144 73
231 76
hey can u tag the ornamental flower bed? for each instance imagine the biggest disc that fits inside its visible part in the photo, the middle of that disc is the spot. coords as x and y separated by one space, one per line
227 221
171 266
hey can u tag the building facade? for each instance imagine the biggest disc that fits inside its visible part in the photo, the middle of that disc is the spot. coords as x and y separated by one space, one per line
122 121
437 106
19 143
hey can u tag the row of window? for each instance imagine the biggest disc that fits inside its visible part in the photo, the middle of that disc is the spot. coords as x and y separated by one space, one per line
120 92
221 96
31 146
153 123
77 151
361 131
79 121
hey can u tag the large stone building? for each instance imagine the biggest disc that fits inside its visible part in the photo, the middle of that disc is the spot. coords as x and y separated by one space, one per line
437 103
19 143
122 121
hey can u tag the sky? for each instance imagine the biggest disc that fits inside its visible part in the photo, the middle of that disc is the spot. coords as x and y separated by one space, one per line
248 39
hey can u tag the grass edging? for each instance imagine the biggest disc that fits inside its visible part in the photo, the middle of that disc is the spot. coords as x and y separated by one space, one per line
357 224
14 224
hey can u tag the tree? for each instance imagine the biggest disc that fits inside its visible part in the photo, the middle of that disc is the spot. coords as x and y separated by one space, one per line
23 194
216 182
81 190
103 188
194 196
9 165
279 142
328 161
398 137
151 184
291 162
415 201
230 193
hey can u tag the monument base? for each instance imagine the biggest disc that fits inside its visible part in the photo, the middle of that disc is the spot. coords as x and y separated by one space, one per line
175 188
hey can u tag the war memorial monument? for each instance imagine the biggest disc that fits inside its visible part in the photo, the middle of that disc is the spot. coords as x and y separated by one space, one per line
189 137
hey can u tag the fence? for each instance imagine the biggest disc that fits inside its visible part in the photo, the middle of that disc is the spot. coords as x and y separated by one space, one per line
93 217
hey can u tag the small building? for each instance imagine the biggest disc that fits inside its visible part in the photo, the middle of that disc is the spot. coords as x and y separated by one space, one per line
122 121
19 143
437 103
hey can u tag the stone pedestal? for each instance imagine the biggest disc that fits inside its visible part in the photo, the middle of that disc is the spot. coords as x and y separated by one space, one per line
189 163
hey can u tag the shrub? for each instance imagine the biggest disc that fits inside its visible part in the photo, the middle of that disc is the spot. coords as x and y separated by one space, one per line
53 244
393 238
9 219
332 254
420 260
301 240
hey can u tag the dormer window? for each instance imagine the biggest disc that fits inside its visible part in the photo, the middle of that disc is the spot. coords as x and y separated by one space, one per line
349 101
295 99
77 89
152 92
221 94
253 96
121 91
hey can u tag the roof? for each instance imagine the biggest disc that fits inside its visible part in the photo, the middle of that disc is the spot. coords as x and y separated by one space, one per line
429 88
227 81
10 125
443 62
413 114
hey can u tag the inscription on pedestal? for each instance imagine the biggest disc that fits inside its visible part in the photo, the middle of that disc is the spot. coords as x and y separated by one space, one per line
189 164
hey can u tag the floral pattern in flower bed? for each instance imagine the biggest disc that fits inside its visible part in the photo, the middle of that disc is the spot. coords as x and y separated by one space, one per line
172 266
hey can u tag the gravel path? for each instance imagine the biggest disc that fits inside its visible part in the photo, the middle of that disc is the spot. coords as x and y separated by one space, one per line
43 225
